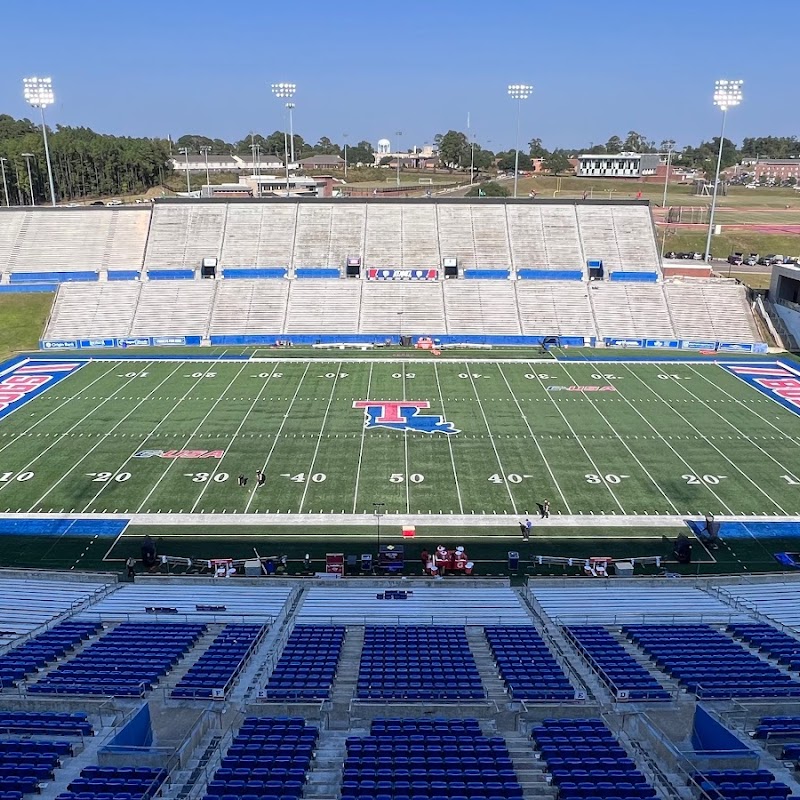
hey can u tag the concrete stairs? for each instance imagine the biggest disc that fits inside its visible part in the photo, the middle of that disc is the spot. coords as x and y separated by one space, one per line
193 656
530 770
72 767
325 777
190 781
487 669
344 686
642 658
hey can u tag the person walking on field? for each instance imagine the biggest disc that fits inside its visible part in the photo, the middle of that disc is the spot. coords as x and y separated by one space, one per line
544 508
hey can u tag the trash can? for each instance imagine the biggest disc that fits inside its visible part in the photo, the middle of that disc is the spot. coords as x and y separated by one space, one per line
513 560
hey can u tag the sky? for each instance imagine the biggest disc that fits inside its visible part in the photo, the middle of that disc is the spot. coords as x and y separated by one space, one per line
150 68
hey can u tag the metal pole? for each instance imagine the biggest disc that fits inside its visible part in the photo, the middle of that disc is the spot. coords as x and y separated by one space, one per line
516 156
344 136
399 134
47 156
471 154
188 182
666 177
208 176
30 179
290 106
716 186
286 156
5 185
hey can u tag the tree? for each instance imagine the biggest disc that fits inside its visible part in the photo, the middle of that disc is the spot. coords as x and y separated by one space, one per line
535 149
556 162
454 150
666 145
489 189
385 161
505 161
636 143
483 159
614 145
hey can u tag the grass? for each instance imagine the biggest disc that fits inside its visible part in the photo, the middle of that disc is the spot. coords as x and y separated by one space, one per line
730 241
22 319
755 280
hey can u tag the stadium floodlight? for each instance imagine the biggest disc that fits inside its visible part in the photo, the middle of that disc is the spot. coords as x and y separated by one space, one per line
398 134
727 94
38 93
184 151
3 160
285 91
205 150
28 157
518 92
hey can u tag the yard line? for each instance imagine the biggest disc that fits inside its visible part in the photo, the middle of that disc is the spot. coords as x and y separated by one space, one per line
405 452
319 439
535 441
491 438
278 432
361 448
58 407
230 442
735 427
449 439
101 439
597 469
677 454
186 443
706 440
596 407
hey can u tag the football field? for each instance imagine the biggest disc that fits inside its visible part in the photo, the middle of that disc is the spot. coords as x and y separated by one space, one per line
417 437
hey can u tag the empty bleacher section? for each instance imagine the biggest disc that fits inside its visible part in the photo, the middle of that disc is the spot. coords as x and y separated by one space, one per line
115 783
555 308
26 763
313 236
195 603
391 308
545 238
325 306
181 235
27 604
777 600
740 784
420 240
480 308
630 309
249 307
624 676
35 243
53 723
490 232
528 668
215 671
127 662
456 237
173 308
433 758
90 310
38 651
259 235
711 311
785 649
268 758
354 605
427 663
384 236
308 663
347 233
709 663
586 760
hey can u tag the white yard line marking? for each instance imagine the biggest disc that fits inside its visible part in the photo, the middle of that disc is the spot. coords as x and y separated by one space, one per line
449 440
597 469
319 439
491 438
405 452
278 433
218 465
58 407
596 407
706 440
192 435
63 436
361 447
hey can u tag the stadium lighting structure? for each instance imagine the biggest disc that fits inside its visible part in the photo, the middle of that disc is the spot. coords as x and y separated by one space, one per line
3 160
471 153
285 91
205 150
398 134
290 107
184 151
666 175
727 94
518 92
28 157
344 136
38 93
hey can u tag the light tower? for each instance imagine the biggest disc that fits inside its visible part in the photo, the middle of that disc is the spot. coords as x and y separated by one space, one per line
38 93
184 151
518 92
285 91
28 157
727 94
205 150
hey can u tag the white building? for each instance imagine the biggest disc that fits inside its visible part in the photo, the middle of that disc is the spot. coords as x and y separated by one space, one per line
228 163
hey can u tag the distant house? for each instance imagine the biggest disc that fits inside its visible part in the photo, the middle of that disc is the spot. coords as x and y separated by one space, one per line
322 162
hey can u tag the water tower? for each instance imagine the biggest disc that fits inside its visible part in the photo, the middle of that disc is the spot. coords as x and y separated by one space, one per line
384 147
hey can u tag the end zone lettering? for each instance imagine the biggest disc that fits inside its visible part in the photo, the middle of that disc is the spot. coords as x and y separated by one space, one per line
777 381
29 379
179 454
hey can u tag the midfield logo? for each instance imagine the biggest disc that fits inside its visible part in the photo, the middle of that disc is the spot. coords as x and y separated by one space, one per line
403 415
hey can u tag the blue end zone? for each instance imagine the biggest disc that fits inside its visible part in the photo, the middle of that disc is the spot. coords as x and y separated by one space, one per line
36 526
751 530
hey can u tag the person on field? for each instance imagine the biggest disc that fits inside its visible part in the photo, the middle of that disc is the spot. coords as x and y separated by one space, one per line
261 478
242 480
544 508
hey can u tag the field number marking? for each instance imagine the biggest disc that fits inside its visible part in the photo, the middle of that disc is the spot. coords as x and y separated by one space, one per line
788 478
467 375
698 480
532 376
407 375
104 477
21 477
317 477
665 377
602 376
134 375
399 477
334 375
592 477
268 375
512 477
201 375
202 477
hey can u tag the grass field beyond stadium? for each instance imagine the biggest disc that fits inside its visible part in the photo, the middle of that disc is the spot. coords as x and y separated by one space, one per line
148 437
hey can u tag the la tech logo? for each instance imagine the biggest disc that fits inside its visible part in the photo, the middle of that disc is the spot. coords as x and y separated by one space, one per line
403 415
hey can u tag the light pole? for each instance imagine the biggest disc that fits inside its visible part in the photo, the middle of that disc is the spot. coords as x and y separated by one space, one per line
285 91
28 157
398 134
518 92
290 107
184 151
3 160
727 94
344 136
471 154
204 150
377 511
666 177
38 93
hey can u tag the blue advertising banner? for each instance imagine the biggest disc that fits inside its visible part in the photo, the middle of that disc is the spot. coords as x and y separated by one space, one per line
612 342
96 343
688 344
663 344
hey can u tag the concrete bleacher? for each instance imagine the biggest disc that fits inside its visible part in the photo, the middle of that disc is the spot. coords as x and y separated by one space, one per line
352 605
312 244
562 238
551 308
711 311
481 307
323 306
490 232
182 235
91 310
249 307
777 600
347 233
456 236
176 308
631 309
598 237
383 246
420 244
387 307
258 236
633 229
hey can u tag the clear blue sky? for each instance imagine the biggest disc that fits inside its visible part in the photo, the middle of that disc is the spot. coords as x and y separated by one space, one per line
146 67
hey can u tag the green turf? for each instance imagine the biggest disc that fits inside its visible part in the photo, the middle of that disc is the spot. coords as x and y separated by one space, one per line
672 439
22 319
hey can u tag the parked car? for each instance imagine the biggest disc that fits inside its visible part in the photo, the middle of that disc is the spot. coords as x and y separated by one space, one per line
97 203
735 259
